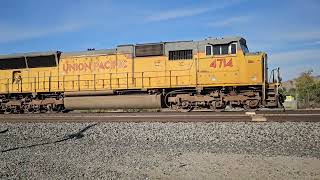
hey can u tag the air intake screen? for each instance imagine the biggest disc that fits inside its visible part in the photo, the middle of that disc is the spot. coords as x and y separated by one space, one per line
180 54
14 63
149 50
41 61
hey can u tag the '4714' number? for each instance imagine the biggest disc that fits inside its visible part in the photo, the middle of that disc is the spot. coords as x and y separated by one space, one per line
221 63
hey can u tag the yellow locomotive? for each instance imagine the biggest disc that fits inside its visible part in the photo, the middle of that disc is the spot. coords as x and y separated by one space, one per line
210 73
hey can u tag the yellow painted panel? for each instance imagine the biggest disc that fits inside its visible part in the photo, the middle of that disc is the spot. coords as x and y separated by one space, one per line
119 71
219 70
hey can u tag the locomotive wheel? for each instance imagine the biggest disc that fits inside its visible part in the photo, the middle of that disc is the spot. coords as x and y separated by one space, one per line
185 106
48 108
13 110
214 106
251 104
36 109
26 109
60 108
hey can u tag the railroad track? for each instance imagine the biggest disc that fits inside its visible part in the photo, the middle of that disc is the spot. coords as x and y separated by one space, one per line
261 116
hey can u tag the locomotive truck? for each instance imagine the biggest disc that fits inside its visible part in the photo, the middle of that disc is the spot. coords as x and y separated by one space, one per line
183 75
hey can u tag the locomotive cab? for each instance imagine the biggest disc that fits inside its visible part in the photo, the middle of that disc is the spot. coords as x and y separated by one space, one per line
270 85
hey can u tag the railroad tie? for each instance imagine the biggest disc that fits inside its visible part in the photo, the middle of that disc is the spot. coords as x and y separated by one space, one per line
256 117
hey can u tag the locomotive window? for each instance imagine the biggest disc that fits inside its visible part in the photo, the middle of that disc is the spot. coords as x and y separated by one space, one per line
216 49
208 50
224 49
41 61
180 54
233 48
244 48
13 63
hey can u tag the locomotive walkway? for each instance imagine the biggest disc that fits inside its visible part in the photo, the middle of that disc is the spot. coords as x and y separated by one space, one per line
260 116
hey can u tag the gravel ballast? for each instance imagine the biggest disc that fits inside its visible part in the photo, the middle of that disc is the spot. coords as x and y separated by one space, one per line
216 150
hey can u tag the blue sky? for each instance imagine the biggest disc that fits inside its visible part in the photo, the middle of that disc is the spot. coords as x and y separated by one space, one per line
288 30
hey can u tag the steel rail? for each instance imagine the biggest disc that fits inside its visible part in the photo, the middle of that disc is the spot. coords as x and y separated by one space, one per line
161 117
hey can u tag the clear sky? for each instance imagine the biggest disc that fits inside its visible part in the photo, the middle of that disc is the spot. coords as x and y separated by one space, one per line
288 30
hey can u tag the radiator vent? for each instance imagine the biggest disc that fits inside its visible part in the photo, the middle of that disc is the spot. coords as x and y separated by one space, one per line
149 50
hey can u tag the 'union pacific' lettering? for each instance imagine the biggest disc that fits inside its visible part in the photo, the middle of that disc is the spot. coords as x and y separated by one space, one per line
95 66
221 63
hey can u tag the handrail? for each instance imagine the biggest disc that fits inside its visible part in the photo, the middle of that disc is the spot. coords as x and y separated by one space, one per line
275 76
113 73
47 83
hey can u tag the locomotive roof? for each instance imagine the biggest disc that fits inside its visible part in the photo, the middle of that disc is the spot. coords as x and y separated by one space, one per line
170 44
32 54
88 53
125 48
225 40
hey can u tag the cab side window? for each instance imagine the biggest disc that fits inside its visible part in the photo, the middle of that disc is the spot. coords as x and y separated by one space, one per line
222 49
216 49
233 48
208 50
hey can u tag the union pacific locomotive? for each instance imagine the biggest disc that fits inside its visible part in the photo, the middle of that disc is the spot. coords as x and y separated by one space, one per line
183 75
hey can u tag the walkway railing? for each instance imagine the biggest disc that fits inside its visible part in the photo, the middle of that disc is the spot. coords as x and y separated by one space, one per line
127 80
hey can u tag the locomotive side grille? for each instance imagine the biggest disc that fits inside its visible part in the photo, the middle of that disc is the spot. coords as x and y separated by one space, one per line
41 61
149 50
13 63
180 54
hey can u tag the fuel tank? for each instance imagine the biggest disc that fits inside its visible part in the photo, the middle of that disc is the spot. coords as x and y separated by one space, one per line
113 102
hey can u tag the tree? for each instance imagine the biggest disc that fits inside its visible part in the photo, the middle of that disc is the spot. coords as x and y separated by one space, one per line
316 91
292 92
308 89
